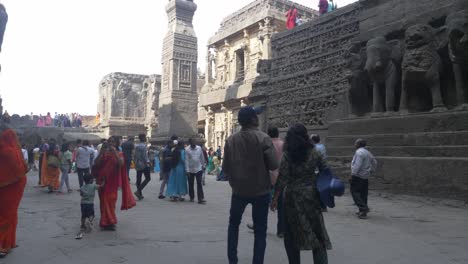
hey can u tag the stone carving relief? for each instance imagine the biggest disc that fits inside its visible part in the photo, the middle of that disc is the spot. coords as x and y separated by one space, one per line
457 27
306 77
421 69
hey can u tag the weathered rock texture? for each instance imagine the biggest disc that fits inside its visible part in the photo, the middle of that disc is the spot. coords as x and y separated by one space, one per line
243 39
126 103
398 65
178 99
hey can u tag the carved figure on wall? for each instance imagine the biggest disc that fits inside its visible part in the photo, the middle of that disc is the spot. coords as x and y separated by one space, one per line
383 72
227 61
360 92
421 68
242 103
457 27
210 124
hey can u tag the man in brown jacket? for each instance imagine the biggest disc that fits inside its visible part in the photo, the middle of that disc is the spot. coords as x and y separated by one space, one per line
249 155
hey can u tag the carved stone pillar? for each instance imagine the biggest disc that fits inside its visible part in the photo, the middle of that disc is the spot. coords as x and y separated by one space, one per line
209 70
209 126
266 30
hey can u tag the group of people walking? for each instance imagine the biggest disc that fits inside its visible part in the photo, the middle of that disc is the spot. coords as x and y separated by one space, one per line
255 161
262 170
181 167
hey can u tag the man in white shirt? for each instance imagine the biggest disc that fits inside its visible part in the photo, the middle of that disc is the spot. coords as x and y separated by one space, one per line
361 167
84 157
194 163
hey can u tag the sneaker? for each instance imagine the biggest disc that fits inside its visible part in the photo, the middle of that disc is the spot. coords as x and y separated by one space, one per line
202 202
161 196
362 215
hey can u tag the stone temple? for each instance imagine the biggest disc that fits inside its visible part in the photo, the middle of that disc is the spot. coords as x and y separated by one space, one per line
159 106
389 71
243 39
128 104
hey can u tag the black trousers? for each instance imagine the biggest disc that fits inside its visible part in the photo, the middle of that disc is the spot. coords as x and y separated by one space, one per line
294 253
191 181
81 173
360 191
280 211
141 185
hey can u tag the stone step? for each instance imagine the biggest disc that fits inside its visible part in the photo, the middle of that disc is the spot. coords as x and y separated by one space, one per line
424 174
401 124
435 176
406 151
409 139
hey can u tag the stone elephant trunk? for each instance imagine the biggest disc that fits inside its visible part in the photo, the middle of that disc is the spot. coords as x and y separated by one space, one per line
383 73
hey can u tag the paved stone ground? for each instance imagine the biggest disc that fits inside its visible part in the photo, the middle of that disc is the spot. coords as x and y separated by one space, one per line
401 230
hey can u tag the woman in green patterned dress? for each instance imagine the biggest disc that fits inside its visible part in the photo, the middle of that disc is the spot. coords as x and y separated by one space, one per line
305 228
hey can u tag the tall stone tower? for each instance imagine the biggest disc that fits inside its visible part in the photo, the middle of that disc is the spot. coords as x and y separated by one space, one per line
178 98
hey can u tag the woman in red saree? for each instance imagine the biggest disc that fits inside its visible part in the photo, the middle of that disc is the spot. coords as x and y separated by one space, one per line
110 166
291 18
13 171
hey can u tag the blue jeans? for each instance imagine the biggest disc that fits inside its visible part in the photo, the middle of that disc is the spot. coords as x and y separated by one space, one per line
260 205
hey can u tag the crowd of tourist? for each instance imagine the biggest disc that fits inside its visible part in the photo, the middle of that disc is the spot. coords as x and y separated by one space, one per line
291 177
59 120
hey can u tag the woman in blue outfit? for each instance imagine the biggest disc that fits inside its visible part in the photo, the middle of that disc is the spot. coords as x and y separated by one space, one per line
157 167
177 185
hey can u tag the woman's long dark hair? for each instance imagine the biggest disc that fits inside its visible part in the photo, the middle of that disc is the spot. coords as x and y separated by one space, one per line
297 143
176 154
65 147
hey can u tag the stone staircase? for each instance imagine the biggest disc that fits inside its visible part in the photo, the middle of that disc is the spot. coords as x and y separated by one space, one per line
423 153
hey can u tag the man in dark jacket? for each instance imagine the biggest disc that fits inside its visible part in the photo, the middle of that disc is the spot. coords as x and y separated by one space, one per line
249 156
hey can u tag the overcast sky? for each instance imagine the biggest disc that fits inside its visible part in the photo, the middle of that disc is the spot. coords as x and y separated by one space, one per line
55 52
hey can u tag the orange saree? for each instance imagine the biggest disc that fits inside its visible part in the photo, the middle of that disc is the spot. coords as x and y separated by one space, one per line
115 177
12 183
50 177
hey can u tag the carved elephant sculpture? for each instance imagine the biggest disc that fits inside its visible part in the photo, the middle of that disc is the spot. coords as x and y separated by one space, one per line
360 92
383 73
421 68
457 27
